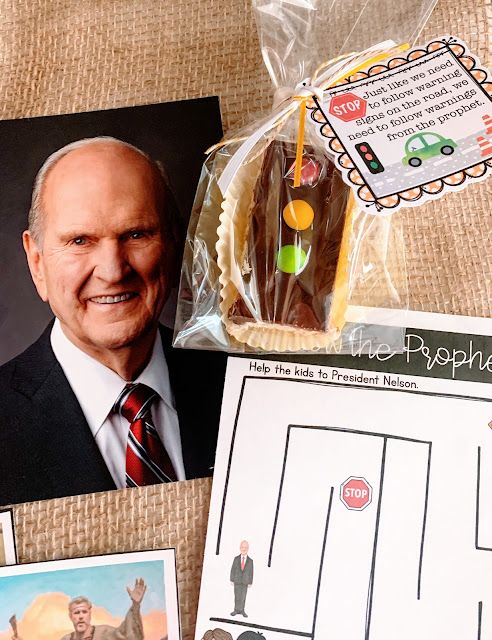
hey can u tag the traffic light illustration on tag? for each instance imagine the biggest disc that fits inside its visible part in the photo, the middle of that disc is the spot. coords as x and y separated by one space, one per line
370 159
411 128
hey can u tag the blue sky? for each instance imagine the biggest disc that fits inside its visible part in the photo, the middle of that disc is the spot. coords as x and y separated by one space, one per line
105 586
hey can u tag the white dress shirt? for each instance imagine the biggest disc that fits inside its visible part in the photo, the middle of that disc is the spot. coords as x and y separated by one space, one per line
97 387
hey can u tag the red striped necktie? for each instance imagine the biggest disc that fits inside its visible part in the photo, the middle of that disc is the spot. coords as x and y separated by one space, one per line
147 461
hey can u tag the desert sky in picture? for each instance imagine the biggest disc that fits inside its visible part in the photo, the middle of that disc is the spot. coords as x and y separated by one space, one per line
105 586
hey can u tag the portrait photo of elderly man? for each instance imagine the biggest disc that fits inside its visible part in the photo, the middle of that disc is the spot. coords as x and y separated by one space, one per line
101 400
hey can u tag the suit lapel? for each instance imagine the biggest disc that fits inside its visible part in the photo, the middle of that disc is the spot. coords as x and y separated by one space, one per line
197 379
71 460
182 400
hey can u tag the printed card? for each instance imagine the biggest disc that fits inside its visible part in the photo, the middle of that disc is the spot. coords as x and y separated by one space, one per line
352 496
127 596
412 128
8 553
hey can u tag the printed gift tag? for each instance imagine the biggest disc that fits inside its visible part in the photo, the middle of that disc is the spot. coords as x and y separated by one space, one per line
411 128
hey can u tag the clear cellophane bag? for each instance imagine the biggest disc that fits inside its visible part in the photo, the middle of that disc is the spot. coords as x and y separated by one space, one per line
279 257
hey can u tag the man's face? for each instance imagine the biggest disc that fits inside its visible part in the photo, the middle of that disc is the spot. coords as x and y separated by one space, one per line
102 260
80 615
244 547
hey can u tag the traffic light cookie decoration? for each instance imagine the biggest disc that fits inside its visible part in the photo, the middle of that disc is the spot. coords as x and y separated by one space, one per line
292 253
298 214
310 170
291 258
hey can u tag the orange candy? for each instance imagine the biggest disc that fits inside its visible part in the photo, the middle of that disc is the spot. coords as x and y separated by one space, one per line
298 215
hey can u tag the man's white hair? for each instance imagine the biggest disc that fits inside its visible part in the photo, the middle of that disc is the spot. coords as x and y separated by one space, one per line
79 600
36 211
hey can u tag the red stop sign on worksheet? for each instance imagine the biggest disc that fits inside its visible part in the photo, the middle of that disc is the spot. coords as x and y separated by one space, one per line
356 493
347 107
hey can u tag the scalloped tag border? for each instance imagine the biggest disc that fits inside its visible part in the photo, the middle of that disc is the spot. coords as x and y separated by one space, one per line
418 194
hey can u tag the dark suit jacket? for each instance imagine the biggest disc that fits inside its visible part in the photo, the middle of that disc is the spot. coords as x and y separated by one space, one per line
46 447
242 577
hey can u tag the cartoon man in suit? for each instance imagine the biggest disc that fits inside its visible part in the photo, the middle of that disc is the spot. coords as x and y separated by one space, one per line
100 400
241 578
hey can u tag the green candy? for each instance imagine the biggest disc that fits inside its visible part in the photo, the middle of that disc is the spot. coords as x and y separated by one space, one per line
291 259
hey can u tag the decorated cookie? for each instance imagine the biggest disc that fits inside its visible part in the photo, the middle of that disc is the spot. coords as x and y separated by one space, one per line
283 252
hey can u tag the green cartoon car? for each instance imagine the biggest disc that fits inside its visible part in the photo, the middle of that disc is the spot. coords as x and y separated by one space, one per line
422 146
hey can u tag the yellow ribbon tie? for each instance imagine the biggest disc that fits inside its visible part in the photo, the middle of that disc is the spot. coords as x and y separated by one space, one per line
343 75
300 139
303 100
368 63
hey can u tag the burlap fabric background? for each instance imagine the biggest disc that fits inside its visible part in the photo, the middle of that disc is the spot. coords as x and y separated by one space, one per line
61 56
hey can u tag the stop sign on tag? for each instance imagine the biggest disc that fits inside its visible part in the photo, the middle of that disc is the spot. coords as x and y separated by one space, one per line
347 107
356 493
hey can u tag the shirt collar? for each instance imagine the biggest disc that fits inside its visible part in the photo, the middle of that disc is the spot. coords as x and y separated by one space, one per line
96 387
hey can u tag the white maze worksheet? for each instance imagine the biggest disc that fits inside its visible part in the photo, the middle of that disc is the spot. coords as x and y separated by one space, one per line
355 504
